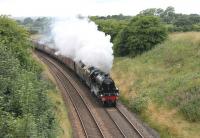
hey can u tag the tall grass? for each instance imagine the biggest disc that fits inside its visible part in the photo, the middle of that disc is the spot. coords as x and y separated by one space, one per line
168 76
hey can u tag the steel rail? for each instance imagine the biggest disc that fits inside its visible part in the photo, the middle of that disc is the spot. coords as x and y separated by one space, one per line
69 79
75 107
126 118
115 123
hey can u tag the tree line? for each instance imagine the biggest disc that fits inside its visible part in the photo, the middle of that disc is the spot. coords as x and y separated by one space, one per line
175 22
133 35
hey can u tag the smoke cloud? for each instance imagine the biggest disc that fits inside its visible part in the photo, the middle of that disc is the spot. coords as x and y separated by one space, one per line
80 40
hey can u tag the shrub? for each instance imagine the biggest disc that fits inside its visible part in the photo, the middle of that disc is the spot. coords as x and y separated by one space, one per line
138 104
142 34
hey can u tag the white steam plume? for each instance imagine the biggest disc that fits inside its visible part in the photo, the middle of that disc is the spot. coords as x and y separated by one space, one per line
80 39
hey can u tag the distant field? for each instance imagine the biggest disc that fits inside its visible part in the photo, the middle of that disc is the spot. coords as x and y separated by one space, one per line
163 85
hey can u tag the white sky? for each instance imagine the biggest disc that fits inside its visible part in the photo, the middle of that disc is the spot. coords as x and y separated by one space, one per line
92 7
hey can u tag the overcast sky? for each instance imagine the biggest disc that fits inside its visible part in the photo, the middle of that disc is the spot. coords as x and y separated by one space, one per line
92 7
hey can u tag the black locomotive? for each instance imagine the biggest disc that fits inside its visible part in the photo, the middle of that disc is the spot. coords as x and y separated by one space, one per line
100 83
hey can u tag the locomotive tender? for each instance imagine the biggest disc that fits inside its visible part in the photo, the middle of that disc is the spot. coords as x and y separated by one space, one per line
100 83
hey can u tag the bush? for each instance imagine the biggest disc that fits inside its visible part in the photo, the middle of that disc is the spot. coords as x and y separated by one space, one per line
170 27
142 34
196 27
138 104
183 24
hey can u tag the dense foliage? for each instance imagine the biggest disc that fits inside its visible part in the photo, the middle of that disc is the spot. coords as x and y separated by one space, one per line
25 110
141 34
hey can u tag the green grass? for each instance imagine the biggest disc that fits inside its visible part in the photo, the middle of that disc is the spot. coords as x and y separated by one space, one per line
167 77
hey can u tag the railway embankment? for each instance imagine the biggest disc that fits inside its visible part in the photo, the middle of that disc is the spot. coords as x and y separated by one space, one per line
163 85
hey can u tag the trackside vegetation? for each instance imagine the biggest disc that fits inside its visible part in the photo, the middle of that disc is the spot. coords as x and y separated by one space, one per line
163 85
25 110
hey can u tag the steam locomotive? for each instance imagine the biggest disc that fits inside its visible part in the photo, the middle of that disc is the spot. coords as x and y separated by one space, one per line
101 85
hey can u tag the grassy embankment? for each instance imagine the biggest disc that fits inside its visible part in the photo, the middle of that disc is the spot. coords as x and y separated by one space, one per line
65 130
163 85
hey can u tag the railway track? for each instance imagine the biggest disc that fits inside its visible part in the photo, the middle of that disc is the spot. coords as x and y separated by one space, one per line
88 121
116 122
129 122
124 125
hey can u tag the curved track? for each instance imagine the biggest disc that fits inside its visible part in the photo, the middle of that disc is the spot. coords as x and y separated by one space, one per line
93 120
88 121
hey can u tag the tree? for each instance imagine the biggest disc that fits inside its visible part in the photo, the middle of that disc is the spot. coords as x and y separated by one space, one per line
159 12
142 34
148 12
183 23
43 24
28 20
168 15
194 18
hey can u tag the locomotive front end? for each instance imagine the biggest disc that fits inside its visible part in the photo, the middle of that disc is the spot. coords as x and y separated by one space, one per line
110 93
